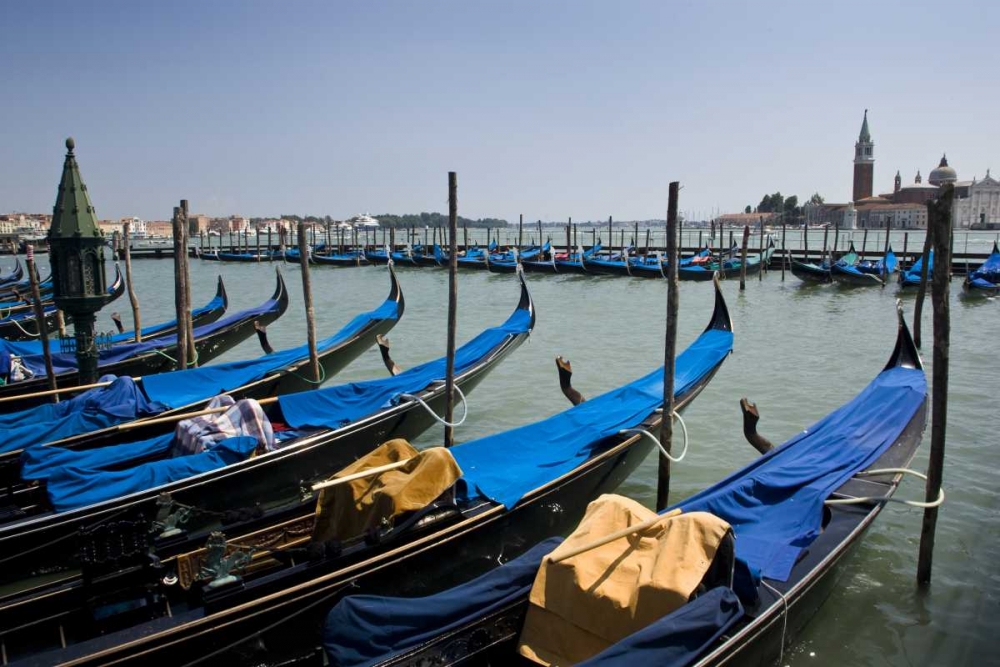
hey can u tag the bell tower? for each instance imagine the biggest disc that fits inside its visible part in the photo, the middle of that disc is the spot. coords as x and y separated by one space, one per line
864 163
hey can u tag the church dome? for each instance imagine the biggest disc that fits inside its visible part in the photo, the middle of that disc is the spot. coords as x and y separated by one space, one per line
942 174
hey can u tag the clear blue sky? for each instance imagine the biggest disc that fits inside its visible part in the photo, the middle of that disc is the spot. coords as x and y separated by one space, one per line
551 109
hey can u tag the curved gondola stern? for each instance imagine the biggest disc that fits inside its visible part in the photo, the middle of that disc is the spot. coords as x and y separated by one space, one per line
220 293
118 286
280 293
905 354
721 321
526 302
395 291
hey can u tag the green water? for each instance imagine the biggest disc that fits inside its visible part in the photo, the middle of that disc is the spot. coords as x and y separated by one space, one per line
800 352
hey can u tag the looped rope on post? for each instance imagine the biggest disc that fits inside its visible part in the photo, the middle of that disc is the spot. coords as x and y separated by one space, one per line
877 499
642 431
321 380
465 405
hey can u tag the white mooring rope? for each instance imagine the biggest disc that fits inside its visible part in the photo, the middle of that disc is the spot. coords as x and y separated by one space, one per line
642 431
879 499
465 405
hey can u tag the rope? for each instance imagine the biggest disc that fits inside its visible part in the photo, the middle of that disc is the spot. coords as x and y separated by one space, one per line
878 499
784 618
25 331
642 431
321 380
465 404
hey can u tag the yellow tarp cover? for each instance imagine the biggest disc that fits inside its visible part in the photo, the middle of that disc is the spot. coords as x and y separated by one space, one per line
588 602
350 509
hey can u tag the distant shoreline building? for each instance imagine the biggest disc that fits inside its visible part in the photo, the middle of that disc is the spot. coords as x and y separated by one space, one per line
976 206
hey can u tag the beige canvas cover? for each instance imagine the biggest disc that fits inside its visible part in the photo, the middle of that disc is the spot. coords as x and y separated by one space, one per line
586 603
350 509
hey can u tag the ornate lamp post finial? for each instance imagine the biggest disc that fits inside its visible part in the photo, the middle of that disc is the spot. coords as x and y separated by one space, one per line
76 247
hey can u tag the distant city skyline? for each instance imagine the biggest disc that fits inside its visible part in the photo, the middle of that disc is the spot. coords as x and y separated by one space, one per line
553 110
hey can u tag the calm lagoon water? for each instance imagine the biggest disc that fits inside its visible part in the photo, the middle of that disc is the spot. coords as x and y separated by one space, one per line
800 352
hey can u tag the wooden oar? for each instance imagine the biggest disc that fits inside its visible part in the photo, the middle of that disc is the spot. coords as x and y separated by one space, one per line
64 390
360 475
624 532
186 415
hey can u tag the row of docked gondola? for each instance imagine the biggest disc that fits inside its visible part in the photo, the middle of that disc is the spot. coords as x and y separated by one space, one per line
849 270
144 358
725 577
985 279
125 407
465 507
316 434
20 323
206 314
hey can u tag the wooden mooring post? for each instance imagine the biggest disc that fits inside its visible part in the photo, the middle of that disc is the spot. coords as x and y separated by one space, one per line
670 352
308 298
449 386
938 218
743 257
43 327
784 251
192 355
885 251
132 297
180 289
918 307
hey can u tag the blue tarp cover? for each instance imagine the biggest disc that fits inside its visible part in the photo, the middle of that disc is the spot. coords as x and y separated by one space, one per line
70 487
775 504
366 629
66 362
678 638
988 275
333 407
912 275
193 385
76 479
122 401
505 466
33 347
40 463
98 408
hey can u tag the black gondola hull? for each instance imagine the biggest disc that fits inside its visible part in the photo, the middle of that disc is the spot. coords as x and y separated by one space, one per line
207 348
810 273
234 487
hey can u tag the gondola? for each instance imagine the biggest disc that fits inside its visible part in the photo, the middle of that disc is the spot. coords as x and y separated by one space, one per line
332 427
565 263
207 314
528 482
120 412
728 269
867 273
145 358
23 325
780 544
508 261
812 273
643 266
244 257
986 279
16 274
474 258
911 277
346 258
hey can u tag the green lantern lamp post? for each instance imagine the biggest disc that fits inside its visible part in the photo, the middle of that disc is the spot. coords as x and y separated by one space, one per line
76 253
